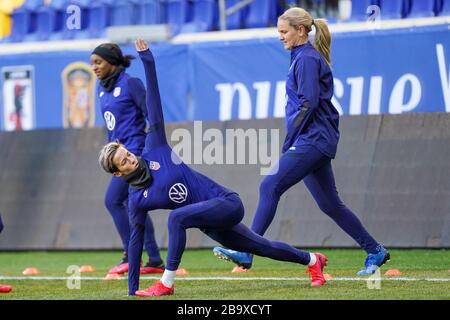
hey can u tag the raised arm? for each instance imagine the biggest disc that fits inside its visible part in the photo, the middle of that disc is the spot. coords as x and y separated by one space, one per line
156 134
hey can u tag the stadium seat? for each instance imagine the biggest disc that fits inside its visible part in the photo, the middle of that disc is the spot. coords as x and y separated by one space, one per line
359 10
24 20
394 9
45 24
445 8
261 14
150 12
234 21
124 13
422 8
205 13
99 18
177 14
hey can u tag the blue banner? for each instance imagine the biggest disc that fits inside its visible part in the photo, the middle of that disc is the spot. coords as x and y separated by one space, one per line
395 71
378 71
61 89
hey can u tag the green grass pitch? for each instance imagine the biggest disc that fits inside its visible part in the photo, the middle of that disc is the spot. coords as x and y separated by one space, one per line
425 276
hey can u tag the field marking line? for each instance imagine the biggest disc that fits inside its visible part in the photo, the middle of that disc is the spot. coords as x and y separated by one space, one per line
181 278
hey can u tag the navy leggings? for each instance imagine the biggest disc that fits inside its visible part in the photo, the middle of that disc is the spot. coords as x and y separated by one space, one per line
115 201
219 218
309 164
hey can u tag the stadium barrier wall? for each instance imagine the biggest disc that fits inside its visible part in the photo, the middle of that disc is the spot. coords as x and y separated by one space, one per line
376 72
391 170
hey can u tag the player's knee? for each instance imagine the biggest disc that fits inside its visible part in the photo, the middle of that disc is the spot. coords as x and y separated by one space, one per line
268 187
175 220
330 209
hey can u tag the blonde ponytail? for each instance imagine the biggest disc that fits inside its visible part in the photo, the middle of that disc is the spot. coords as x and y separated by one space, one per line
322 39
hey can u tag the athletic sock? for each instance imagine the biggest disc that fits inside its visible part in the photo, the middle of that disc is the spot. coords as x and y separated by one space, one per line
312 260
168 278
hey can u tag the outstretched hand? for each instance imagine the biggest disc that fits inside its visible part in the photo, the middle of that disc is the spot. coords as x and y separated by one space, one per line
141 45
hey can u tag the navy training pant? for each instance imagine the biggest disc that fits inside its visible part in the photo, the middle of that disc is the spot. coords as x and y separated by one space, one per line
310 165
219 218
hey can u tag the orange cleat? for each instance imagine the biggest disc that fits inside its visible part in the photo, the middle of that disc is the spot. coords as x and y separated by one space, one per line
156 290
120 268
5 288
149 268
316 271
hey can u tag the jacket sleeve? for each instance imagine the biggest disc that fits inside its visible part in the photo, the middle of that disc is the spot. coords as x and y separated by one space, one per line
307 76
156 135
137 93
307 71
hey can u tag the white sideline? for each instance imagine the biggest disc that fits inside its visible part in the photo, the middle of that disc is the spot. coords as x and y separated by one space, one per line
182 278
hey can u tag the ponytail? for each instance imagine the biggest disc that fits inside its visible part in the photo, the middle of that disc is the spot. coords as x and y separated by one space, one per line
322 39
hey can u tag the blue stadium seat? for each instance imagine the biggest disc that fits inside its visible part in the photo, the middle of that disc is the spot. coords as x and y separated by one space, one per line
124 13
21 25
262 14
177 14
150 12
394 9
422 8
46 24
359 9
205 14
234 21
99 18
445 8
24 20
33 5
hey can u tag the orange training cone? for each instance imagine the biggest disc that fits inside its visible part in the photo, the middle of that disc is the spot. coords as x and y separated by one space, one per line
113 276
30 271
393 272
327 276
86 268
181 272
